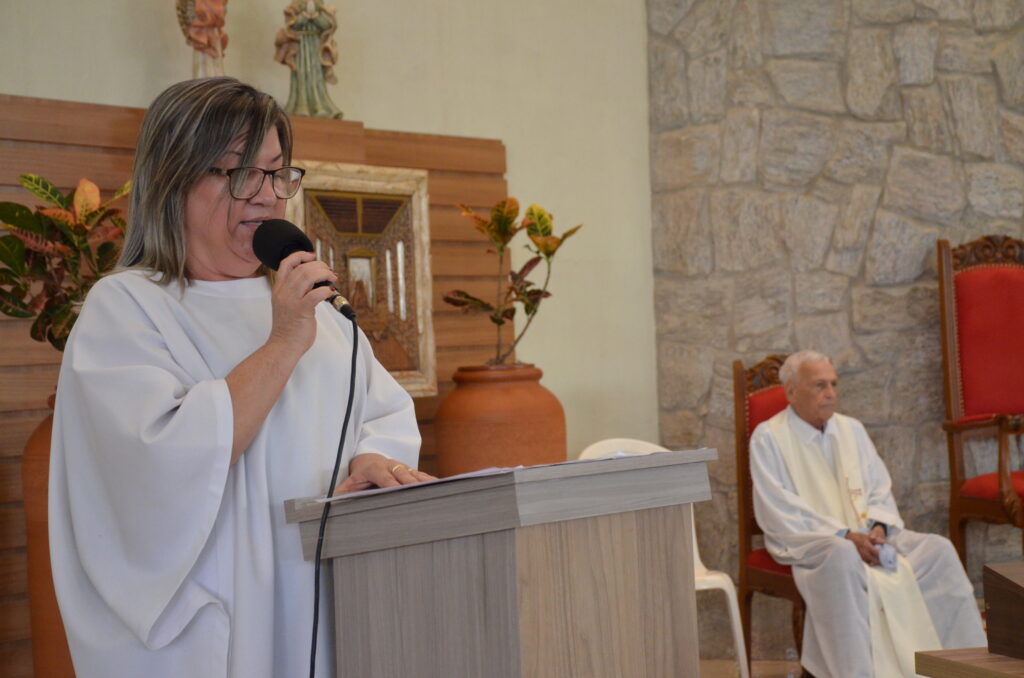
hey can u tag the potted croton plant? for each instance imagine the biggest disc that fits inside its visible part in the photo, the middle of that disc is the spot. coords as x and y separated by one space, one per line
49 259
499 414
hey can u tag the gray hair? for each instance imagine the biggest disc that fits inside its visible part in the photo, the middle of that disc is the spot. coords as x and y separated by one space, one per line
791 367
186 130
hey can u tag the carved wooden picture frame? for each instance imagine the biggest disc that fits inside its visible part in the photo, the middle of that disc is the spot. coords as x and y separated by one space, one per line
370 224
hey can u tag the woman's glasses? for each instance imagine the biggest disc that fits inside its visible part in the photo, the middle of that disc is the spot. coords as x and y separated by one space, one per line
245 182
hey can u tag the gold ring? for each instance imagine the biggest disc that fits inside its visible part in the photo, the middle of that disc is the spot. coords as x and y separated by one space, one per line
396 467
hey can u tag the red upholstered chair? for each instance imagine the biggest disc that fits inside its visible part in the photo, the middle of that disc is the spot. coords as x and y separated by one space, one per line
758 396
981 292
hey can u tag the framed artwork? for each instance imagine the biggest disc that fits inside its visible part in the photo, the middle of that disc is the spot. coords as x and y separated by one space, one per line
370 224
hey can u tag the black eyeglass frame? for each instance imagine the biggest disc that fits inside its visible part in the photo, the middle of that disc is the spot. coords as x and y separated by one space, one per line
229 173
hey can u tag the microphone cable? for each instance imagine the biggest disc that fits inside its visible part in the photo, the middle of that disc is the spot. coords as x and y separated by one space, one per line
330 493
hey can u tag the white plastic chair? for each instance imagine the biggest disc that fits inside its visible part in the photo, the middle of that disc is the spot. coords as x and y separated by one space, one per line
704 579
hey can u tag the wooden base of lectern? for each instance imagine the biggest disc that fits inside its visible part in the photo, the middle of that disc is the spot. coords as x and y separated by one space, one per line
569 571
604 596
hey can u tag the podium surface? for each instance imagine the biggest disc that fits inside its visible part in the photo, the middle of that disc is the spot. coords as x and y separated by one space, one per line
581 569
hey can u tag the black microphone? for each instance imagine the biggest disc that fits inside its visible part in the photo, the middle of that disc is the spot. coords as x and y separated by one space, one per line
275 239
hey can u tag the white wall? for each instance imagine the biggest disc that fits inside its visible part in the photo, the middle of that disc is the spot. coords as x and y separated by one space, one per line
561 82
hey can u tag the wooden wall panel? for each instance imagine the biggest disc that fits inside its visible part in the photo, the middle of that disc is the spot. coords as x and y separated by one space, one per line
64 141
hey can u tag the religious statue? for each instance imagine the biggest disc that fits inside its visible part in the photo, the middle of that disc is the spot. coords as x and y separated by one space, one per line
306 46
202 22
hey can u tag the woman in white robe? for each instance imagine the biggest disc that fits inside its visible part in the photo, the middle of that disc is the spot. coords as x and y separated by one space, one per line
195 397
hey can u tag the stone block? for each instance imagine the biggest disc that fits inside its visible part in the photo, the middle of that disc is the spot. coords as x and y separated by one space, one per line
916 393
669 99
749 88
872 86
857 216
928 511
926 119
862 150
745 225
663 15
974 105
932 453
961 50
820 291
830 334
684 374
997 14
898 250
924 185
697 311
681 234
845 262
919 346
876 309
996 190
813 85
898 450
794 146
804 27
807 230
1012 125
1009 60
884 11
761 311
864 395
720 406
680 429
685 157
830 191
723 470
706 85
706 27
739 145
914 46
745 40
948 10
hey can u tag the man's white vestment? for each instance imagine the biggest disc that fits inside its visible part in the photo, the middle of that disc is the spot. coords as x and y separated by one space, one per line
169 561
811 485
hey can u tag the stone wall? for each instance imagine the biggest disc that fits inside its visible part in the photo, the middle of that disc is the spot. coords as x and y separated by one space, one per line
805 157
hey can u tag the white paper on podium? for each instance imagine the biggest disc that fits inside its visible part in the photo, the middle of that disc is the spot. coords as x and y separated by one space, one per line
493 471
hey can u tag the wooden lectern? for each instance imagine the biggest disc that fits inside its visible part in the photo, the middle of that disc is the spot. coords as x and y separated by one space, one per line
574 570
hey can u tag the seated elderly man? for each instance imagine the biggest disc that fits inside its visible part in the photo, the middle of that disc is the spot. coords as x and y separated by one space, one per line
875 592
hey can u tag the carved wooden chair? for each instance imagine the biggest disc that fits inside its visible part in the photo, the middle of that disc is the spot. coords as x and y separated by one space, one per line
758 396
981 293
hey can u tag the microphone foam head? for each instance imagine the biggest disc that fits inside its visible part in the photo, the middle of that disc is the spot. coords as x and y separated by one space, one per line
275 239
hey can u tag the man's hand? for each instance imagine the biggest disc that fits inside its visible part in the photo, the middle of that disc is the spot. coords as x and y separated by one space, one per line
877 535
866 545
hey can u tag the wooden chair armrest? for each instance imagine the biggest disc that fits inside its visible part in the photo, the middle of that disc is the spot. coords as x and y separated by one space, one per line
974 425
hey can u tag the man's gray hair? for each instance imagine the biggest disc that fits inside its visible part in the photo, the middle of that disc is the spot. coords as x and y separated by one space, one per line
790 368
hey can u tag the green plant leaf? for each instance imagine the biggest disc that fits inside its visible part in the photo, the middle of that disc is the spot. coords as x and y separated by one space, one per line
527 268
44 190
540 221
503 221
466 301
12 254
87 199
17 215
500 316
118 194
12 305
106 256
63 319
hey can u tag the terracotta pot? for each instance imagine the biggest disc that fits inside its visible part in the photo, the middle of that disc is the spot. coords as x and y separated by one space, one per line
498 415
50 655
